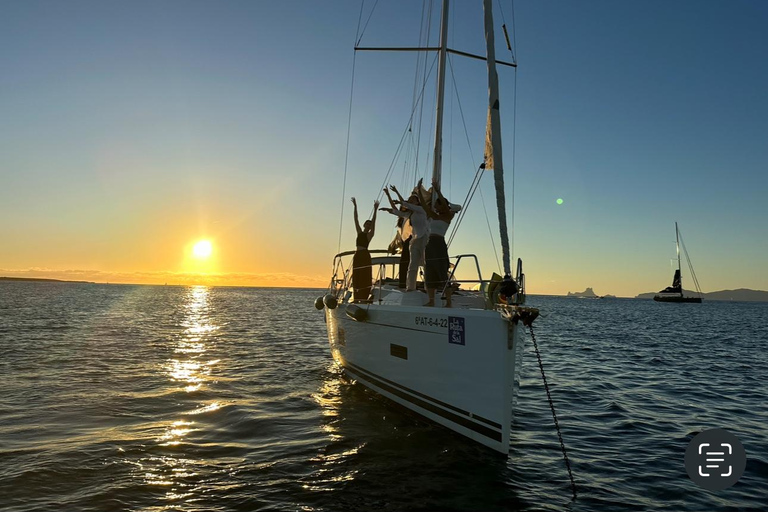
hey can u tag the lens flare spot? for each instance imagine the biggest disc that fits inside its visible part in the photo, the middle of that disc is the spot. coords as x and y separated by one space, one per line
559 200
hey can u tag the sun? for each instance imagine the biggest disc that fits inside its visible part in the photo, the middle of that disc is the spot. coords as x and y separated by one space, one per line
202 250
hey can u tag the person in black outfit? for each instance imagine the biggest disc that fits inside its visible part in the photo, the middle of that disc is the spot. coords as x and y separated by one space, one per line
362 274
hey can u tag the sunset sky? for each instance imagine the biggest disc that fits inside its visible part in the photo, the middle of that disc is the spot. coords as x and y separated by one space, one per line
130 131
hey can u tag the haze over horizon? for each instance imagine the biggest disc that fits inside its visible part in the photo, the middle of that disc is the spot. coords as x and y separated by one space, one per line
133 131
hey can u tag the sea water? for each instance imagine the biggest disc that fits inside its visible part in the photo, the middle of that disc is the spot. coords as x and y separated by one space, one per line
159 398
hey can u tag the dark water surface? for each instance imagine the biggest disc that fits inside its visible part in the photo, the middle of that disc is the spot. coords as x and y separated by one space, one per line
159 398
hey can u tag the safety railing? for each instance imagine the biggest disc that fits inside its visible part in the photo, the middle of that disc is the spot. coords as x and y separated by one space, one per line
341 282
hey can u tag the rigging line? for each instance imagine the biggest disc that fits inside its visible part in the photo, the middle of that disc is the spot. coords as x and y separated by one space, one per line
432 130
402 138
366 21
412 151
682 243
475 179
469 200
425 35
470 194
450 150
407 130
504 27
514 31
514 146
456 224
465 205
432 119
514 154
690 265
349 129
474 187
501 10
490 232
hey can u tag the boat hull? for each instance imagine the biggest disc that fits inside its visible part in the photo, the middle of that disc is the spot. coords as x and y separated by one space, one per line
662 298
456 367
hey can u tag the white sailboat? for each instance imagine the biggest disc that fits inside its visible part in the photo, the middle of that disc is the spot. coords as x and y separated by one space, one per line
458 366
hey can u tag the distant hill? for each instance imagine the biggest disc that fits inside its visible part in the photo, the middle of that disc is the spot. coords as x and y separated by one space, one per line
589 292
741 295
41 280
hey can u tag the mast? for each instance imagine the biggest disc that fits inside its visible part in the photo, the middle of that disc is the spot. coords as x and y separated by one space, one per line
493 135
677 245
442 59
679 268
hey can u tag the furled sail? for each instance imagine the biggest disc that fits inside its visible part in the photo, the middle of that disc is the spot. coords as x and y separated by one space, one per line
493 159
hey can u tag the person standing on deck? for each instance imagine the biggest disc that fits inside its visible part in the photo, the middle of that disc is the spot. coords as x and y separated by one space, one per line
403 238
362 274
419 235
437 263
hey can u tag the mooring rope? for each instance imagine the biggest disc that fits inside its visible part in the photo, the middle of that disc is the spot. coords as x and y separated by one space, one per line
554 416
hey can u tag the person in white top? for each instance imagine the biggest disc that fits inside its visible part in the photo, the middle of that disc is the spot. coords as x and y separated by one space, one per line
417 217
437 263
402 240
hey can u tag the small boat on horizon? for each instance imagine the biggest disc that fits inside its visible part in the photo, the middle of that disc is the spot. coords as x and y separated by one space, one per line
674 293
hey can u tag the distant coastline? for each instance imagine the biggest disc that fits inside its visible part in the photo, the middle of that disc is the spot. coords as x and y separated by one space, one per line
42 279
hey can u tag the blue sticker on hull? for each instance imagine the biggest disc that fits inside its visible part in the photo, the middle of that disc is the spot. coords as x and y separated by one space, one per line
456 330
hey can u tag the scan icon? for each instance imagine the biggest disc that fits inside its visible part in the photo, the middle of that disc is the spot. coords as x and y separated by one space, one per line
715 459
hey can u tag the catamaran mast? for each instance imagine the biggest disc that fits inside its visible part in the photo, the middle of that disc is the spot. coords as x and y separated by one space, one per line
677 246
441 64
493 135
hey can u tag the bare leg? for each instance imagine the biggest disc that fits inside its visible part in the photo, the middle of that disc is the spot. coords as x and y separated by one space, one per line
448 293
431 295
417 258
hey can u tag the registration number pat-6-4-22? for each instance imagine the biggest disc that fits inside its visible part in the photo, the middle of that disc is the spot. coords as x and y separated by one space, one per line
431 321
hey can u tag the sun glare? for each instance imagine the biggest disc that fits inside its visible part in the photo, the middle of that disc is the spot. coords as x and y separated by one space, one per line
202 250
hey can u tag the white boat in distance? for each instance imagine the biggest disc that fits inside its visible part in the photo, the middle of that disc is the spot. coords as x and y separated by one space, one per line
458 366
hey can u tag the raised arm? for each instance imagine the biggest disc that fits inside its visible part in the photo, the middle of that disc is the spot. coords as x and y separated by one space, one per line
396 211
394 189
373 220
436 189
453 208
391 202
357 222
413 207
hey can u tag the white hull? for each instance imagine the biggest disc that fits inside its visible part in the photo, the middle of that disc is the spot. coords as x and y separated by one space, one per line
457 367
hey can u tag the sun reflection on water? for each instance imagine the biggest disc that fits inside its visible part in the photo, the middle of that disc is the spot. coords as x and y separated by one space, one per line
189 370
206 408
175 432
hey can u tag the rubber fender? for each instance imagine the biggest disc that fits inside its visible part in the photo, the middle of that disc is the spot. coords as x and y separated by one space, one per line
319 303
357 313
330 301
